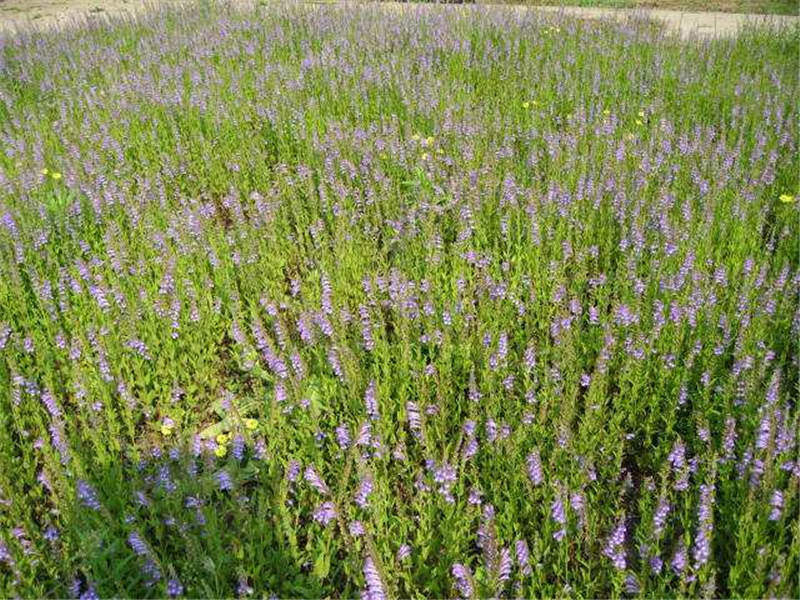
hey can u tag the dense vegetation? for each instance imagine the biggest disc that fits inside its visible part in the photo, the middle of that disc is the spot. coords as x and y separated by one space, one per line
423 302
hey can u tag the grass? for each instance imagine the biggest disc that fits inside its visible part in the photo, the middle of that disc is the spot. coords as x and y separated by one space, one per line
309 301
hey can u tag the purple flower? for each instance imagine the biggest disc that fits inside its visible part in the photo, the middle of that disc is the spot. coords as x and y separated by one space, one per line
292 471
370 401
559 515
325 513
614 548
89 594
364 490
315 481
777 506
414 419
174 588
87 495
238 447
679 560
656 564
504 567
357 528
631 584
224 481
343 437
463 580
403 552
705 526
137 543
51 534
523 557
660 516
535 468
375 587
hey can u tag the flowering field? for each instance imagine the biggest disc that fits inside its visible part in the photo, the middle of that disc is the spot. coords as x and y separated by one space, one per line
323 301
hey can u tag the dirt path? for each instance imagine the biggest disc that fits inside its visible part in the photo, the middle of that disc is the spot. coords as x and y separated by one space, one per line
702 24
22 14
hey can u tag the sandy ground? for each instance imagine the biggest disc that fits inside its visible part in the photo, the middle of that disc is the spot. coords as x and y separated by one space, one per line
23 14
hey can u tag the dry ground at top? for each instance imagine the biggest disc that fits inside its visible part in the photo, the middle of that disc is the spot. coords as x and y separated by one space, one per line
15 14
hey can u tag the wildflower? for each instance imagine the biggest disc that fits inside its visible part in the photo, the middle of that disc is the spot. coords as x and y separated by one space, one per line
238 447
243 588
526 105
174 588
660 516
224 481
56 176
137 543
370 401
678 562
87 495
504 567
292 471
614 546
786 198
222 438
535 468
167 425
705 527
656 564
463 580
251 424
403 552
375 587
342 437
631 584
356 528
364 490
325 513
45 171
89 594
315 480
560 517
413 416
220 451
777 505
523 557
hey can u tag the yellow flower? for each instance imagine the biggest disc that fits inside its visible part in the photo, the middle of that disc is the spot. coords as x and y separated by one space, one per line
639 122
526 105
222 438
415 137
424 156
606 112
250 423
429 141
166 430
641 114
221 451
45 171
56 176
786 198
